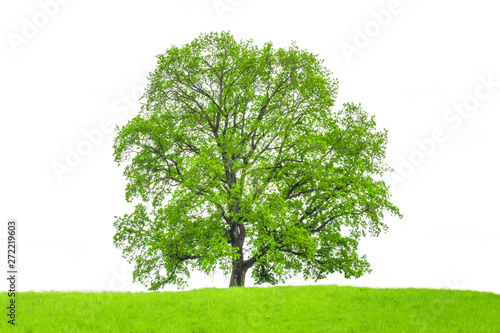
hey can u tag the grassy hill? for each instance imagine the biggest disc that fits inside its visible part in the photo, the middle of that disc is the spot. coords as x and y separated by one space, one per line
276 309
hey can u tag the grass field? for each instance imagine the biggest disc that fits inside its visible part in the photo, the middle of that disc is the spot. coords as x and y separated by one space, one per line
276 309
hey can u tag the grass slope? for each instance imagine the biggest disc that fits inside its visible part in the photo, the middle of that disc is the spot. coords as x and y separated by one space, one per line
277 309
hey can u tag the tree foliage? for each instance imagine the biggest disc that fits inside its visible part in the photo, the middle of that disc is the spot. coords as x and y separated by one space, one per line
236 150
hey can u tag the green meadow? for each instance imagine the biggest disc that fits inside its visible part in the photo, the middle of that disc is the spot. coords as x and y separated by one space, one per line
316 308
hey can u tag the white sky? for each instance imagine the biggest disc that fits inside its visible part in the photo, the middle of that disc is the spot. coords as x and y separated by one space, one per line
414 71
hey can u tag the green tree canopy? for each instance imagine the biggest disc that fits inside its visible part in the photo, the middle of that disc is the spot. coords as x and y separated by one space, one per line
245 165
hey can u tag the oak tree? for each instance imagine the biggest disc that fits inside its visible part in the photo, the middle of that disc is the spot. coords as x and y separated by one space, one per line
238 159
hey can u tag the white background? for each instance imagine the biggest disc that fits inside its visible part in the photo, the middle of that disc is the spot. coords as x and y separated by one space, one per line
67 67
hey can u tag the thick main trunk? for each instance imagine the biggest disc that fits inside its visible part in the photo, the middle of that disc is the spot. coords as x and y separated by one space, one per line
240 267
238 274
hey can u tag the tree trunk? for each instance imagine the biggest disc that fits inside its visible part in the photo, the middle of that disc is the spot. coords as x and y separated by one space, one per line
240 267
238 274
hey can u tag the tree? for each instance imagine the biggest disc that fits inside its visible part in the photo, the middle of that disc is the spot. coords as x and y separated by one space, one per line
244 141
